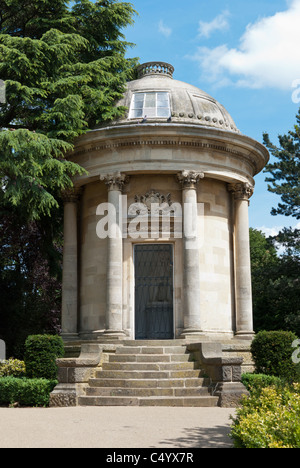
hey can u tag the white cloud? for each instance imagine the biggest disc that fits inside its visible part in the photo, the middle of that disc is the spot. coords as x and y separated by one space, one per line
163 29
268 54
270 231
219 23
273 231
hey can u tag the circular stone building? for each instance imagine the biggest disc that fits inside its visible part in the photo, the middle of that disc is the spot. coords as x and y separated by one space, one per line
156 240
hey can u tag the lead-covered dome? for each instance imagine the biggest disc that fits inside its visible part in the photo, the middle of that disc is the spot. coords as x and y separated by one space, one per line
169 127
156 97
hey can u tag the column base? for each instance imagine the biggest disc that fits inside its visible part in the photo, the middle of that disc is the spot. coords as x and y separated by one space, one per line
70 336
245 335
191 332
114 334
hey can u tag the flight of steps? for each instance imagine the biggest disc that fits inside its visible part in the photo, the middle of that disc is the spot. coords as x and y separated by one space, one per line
149 373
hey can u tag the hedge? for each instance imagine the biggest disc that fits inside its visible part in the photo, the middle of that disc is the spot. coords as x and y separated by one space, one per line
41 352
254 383
25 392
272 354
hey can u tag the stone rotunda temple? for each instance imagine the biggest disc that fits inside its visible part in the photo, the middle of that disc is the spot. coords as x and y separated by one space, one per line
156 235
177 146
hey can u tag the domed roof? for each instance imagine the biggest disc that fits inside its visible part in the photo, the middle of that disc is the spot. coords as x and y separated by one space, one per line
156 97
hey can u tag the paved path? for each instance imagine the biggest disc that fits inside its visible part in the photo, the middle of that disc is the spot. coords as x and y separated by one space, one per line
115 427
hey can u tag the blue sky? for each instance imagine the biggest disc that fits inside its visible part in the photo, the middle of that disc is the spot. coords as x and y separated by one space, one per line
245 54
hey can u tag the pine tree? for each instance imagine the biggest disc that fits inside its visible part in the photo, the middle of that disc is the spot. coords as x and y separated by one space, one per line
27 18
63 69
275 280
285 171
279 297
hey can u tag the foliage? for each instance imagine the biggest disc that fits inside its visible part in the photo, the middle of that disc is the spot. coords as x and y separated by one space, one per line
33 19
25 392
284 171
64 67
30 279
12 367
41 352
275 280
64 70
270 420
256 382
272 354
263 251
284 180
289 282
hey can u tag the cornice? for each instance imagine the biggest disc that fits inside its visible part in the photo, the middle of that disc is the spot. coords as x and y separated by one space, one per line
156 142
126 137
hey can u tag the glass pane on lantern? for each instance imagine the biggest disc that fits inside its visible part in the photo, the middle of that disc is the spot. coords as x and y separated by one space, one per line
150 100
138 97
162 100
150 111
163 112
136 113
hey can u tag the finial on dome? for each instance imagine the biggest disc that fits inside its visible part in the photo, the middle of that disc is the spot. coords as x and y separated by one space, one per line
155 68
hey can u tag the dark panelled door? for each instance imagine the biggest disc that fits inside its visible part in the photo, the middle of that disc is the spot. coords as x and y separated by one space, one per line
154 292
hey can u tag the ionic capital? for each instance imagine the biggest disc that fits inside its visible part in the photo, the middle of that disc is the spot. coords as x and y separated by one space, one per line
241 191
115 181
189 179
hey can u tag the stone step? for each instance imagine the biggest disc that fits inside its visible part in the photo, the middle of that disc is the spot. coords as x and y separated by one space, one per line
146 366
150 383
154 343
150 358
150 374
200 401
151 349
147 392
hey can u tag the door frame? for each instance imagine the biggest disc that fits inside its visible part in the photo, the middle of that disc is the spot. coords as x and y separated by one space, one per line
172 244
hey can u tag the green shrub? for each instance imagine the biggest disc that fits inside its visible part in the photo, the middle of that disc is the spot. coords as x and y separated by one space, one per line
254 383
271 420
25 392
272 354
41 352
12 367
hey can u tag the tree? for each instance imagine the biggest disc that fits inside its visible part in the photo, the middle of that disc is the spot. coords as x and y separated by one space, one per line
275 282
285 171
64 69
264 263
289 278
284 177
30 280
26 18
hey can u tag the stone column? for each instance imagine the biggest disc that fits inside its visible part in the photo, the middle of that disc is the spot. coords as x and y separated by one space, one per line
114 303
243 283
70 265
191 257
